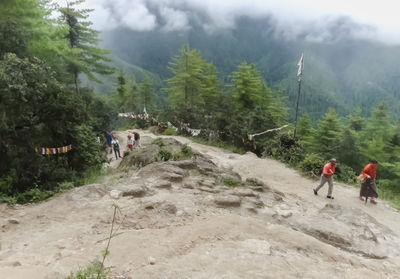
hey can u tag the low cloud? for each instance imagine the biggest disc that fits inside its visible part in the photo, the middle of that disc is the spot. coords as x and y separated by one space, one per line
312 19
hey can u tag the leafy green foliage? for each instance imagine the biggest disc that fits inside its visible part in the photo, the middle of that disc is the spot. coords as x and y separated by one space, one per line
170 131
312 163
345 173
83 55
231 182
89 272
284 148
327 136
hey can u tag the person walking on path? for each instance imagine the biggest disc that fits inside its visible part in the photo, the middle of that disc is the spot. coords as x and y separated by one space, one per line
137 139
109 138
115 144
368 182
130 142
327 176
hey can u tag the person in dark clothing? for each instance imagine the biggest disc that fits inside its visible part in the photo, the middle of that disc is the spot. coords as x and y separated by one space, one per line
137 139
109 138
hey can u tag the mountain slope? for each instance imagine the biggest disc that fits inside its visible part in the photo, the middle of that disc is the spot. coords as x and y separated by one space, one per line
192 225
340 71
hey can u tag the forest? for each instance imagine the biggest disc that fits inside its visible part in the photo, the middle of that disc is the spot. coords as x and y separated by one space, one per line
48 64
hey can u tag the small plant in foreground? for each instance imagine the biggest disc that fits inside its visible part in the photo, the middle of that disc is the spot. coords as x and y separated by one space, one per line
96 269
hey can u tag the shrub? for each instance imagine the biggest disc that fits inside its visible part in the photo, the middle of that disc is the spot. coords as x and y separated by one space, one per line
231 182
345 173
312 164
164 154
89 272
284 148
33 195
185 153
170 132
158 142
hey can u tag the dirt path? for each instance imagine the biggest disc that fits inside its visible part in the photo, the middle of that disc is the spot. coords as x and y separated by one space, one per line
50 239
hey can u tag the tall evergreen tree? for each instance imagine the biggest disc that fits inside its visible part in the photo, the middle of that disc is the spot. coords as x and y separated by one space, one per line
327 137
146 94
84 55
187 85
248 88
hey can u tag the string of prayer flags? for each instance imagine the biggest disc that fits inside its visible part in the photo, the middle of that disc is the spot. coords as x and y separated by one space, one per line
267 131
53 150
133 115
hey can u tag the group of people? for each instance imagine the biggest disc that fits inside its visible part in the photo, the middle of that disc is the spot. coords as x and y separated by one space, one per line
367 179
113 143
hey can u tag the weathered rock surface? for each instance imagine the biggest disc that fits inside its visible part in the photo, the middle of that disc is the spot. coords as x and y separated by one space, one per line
227 201
134 191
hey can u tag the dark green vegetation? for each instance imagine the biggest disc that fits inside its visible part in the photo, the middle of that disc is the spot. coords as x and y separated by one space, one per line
42 103
346 111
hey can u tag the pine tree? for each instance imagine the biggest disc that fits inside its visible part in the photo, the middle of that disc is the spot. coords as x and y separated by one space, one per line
146 94
356 121
187 85
27 29
120 95
84 56
327 137
248 89
377 135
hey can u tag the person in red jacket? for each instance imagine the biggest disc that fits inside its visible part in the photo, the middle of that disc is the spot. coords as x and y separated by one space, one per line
327 172
368 186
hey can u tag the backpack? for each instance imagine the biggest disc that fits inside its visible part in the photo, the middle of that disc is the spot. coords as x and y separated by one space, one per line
116 145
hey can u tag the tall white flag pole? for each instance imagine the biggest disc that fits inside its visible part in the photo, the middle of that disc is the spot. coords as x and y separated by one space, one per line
299 76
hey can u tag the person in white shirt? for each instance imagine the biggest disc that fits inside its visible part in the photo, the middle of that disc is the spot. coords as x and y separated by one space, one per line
115 145
130 142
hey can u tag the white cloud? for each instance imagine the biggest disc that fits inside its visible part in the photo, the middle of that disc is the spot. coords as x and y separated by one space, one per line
138 17
175 19
293 16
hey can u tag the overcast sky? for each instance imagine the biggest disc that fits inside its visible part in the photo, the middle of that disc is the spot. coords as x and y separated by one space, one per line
379 19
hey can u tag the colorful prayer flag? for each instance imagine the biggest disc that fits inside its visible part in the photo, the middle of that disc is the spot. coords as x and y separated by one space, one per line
301 66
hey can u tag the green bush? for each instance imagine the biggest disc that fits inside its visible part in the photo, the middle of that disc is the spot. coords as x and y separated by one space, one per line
231 182
90 272
170 132
283 148
6 185
33 195
312 164
164 154
345 173
158 142
185 153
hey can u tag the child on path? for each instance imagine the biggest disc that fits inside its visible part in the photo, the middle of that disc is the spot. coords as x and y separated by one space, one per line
130 142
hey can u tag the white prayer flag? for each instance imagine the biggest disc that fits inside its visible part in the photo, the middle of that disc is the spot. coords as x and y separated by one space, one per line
301 66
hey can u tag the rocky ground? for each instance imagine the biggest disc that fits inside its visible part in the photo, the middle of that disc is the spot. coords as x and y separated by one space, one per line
216 215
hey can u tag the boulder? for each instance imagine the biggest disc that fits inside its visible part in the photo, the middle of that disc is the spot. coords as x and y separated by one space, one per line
134 191
115 194
141 157
162 185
